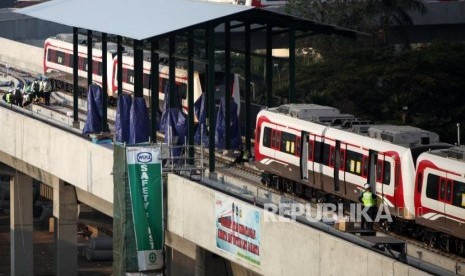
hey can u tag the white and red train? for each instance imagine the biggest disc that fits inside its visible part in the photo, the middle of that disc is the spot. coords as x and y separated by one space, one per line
302 148
58 58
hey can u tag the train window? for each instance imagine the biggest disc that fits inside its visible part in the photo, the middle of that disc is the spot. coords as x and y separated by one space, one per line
267 137
449 190
69 60
51 53
130 76
317 148
310 149
287 142
419 182
386 172
182 89
326 154
365 166
97 68
82 64
60 58
459 194
379 170
297 146
332 156
342 159
432 186
353 162
125 75
145 81
442 191
277 139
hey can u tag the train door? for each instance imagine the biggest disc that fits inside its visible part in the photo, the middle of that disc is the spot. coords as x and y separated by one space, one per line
304 156
372 162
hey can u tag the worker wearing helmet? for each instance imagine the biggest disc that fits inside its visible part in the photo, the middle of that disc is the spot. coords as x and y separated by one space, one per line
368 200
8 97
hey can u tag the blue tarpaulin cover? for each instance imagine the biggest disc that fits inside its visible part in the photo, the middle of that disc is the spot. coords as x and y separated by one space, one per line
175 128
201 112
139 123
94 110
122 119
236 141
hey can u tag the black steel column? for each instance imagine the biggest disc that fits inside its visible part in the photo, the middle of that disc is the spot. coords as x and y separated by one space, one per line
75 78
247 88
89 58
227 83
138 69
211 96
292 65
172 72
105 127
269 66
119 66
154 84
190 95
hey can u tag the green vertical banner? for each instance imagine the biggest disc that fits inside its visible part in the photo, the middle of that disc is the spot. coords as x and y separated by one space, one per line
146 189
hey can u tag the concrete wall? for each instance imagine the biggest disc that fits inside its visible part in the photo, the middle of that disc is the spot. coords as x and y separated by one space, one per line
22 56
30 145
287 248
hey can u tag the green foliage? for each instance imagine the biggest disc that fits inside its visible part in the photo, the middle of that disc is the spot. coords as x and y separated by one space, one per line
378 83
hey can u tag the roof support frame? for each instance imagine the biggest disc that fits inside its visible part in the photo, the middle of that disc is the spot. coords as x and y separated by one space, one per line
75 79
138 68
269 66
247 76
190 95
227 84
154 85
119 66
210 96
105 127
90 63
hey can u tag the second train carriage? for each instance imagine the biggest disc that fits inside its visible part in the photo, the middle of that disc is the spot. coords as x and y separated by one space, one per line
301 146
58 63
440 192
58 58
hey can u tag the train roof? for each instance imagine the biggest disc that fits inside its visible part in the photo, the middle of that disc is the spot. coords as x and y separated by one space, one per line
455 152
312 112
407 136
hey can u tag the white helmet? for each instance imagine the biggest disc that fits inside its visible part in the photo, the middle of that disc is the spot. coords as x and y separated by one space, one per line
366 186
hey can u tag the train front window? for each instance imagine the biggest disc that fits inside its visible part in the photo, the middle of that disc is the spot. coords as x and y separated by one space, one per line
267 137
432 186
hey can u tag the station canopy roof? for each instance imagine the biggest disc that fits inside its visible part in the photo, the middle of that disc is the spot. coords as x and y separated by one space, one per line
146 19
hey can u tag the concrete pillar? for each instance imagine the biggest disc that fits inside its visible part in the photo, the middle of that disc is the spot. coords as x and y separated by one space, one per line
21 226
65 213
199 261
